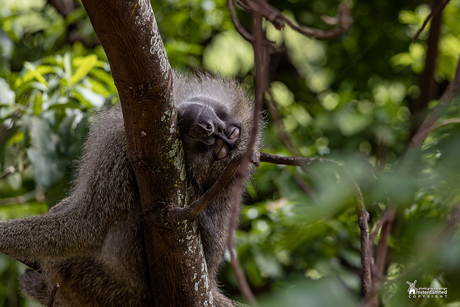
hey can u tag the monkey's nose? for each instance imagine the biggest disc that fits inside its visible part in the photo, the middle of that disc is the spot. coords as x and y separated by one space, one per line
206 128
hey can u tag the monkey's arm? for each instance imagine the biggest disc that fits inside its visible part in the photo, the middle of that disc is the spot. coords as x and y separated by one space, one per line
71 232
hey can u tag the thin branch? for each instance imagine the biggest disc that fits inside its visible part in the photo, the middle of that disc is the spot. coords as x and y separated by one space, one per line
278 121
344 23
9 170
423 134
380 255
363 216
263 8
296 161
418 138
178 214
64 8
427 82
343 19
258 44
14 117
245 34
53 295
433 13
387 216
382 246
450 92
303 186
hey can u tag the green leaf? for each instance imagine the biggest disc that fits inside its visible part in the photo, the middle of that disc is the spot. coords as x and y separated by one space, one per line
15 138
35 73
99 88
84 68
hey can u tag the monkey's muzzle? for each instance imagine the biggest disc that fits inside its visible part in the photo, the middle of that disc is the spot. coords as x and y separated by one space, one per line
201 123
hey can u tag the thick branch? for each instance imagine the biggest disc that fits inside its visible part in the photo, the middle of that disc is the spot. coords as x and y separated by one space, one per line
427 81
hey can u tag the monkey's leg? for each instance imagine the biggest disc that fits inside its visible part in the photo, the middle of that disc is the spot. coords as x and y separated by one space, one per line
78 230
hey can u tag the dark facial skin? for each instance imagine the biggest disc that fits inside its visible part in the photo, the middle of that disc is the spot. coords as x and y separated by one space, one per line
206 121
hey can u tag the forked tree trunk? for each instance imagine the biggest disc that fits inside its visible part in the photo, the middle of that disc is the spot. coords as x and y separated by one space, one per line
142 73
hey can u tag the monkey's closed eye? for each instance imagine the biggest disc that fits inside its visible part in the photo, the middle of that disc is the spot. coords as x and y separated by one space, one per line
234 134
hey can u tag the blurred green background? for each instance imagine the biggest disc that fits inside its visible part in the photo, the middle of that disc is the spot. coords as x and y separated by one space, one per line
349 99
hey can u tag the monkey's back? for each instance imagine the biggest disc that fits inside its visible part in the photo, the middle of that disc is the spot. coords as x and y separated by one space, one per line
113 272
109 266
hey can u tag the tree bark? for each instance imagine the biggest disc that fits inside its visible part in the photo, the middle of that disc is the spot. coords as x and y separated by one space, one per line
129 35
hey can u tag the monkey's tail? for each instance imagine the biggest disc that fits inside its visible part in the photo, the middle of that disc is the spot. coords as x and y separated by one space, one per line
34 285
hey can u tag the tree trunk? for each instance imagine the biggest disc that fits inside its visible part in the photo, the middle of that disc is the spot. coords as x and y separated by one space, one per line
129 35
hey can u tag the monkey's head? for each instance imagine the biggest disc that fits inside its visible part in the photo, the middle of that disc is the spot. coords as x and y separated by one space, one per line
206 124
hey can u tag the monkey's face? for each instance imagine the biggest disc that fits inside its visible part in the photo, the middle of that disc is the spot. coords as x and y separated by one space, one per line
210 125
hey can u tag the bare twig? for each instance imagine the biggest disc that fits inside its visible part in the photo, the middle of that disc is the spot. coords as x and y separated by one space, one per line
190 212
245 34
344 21
53 295
433 13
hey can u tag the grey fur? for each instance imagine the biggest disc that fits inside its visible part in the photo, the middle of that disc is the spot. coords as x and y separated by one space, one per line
91 243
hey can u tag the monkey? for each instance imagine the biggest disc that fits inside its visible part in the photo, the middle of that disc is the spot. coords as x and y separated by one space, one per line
92 244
